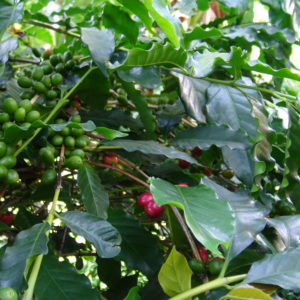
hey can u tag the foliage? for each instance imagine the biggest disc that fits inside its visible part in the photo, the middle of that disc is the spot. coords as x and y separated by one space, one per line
149 149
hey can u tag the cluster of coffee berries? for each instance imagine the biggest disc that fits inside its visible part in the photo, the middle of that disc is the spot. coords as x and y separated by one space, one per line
212 265
45 78
152 209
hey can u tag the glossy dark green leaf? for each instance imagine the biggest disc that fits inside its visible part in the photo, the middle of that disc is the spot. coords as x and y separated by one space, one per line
250 216
193 94
152 147
93 194
60 281
282 269
4 227
207 135
139 249
170 25
11 12
90 92
241 162
175 274
147 77
28 243
102 234
116 18
158 54
210 219
101 44
228 106
288 228
139 9
145 112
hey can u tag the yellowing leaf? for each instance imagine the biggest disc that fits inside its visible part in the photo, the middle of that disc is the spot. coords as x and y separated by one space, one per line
266 288
175 274
246 294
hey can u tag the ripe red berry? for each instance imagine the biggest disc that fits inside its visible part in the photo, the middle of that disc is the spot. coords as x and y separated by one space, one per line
203 254
183 184
207 171
144 198
197 152
149 91
7 218
153 210
217 258
109 159
183 164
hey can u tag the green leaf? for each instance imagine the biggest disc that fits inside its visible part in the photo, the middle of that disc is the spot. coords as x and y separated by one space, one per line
143 109
40 35
28 243
258 66
6 46
203 4
11 12
101 44
282 269
293 8
208 135
241 161
152 147
147 77
175 275
102 234
204 63
244 293
139 248
90 92
210 219
239 4
114 17
198 33
171 26
3 227
139 9
133 294
60 281
250 216
228 106
110 134
288 228
193 94
158 54
93 194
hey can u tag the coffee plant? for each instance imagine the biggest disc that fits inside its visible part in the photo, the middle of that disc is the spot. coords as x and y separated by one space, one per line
149 149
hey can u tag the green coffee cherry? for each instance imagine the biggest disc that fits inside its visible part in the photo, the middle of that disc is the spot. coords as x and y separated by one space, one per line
46 81
81 141
32 116
8 161
46 155
3 149
69 141
77 132
6 125
76 118
39 87
36 52
10 105
24 82
26 95
26 104
47 68
78 152
70 64
4 117
57 140
49 177
74 162
3 172
20 114
51 94
54 59
67 56
65 131
37 73
59 67
12 177
56 79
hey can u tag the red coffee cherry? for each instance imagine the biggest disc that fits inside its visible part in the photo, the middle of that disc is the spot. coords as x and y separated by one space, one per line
183 164
144 198
153 210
